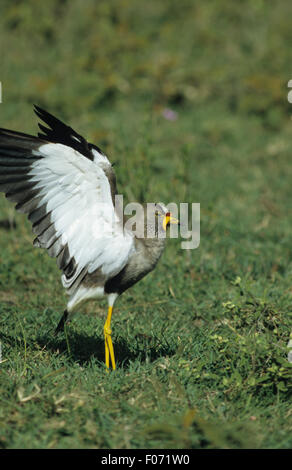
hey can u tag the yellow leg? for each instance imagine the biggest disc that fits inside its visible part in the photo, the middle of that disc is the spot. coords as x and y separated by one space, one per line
109 350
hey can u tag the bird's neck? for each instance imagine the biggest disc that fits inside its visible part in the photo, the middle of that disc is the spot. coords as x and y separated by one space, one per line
152 248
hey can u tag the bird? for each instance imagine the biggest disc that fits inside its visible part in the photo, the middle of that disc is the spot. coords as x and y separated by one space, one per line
67 188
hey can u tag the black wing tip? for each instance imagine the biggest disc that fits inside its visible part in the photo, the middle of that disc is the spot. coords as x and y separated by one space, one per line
45 115
37 109
58 131
8 134
40 112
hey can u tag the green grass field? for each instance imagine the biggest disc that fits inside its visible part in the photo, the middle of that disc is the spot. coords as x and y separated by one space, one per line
201 343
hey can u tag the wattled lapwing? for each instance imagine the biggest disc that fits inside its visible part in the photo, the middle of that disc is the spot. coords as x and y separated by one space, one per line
67 187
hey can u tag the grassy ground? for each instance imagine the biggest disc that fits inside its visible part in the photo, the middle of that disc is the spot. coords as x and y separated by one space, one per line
201 342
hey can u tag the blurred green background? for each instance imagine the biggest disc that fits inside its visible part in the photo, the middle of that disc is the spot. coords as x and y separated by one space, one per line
189 99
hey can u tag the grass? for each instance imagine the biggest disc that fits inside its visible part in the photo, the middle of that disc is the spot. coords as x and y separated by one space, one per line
201 343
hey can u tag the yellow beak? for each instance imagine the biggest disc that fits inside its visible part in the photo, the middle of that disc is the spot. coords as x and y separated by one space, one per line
168 219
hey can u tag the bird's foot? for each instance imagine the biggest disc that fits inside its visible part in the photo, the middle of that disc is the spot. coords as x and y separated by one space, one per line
109 349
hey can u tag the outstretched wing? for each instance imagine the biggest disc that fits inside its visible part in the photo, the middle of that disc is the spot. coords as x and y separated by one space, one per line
67 191
60 133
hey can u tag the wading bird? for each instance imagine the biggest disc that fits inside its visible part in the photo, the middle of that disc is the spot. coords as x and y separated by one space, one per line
67 187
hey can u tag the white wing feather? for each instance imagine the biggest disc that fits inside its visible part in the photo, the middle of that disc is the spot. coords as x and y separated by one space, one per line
77 193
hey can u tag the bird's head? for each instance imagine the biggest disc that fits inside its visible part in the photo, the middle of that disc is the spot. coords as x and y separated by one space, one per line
164 216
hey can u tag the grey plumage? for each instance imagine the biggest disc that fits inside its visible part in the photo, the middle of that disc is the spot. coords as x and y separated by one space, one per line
143 261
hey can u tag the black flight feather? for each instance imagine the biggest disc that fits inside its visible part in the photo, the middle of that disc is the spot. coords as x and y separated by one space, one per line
60 133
